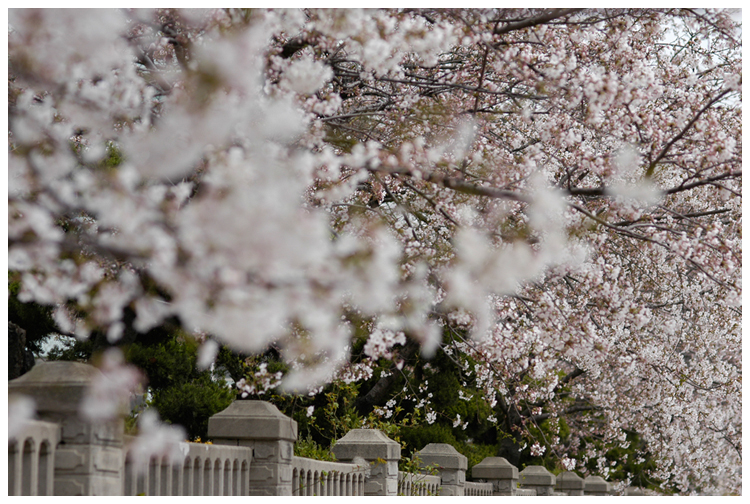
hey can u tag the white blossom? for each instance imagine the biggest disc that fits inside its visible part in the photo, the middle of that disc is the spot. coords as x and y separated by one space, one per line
156 439
106 398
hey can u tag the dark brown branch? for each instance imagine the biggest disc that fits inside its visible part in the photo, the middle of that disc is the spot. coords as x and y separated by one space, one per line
682 133
379 391
706 181
292 46
602 191
535 21
677 216
457 184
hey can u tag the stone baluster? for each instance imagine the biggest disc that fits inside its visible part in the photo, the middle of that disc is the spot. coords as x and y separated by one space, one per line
569 483
88 459
271 434
595 485
378 450
451 466
537 478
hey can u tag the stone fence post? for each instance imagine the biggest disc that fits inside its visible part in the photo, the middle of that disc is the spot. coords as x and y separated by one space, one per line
569 483
537 478
381 452
88 459
451 466
497 470
634 491
595 485
271 434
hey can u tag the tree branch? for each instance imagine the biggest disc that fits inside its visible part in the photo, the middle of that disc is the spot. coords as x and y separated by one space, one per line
535 21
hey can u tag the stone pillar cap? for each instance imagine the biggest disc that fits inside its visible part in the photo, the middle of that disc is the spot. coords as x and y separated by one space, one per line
252 420
444 455
596 484
494 468
536 475
634 491
57 386
370 444
569 481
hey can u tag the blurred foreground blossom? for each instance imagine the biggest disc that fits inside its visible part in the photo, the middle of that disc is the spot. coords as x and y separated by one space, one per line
156 439
107 398
207 353
20 410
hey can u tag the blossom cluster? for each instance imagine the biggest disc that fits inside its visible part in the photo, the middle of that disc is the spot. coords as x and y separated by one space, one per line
563 186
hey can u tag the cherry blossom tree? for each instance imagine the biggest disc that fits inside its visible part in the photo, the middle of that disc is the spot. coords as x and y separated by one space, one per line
558 191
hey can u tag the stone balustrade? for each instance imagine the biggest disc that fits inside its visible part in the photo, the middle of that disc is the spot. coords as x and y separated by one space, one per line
88 456
411 484
252 454
319 477
31 459
476 489
204 469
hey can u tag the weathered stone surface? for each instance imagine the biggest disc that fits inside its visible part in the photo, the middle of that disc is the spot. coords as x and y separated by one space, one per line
271 474
252 420
69 487
279 451
269 433
76 431
451 466
370 444
387 469
453 477
569 483
634 491
88 460
537 478
595 485
492 468
444 455
88 485
502 474
381 452
56 386
535 475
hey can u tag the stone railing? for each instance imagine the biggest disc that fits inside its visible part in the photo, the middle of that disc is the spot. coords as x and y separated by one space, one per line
252 454
204 470
318 477
475 489
418 484
31 459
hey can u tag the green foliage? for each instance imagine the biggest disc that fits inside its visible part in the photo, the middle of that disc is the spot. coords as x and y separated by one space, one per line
475 453
339 415
113 157
192 403
34 318
167 363
182 394
414 468
422 435
231 362
307 447
427 401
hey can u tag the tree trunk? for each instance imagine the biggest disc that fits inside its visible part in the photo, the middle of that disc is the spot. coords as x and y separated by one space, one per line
20 358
